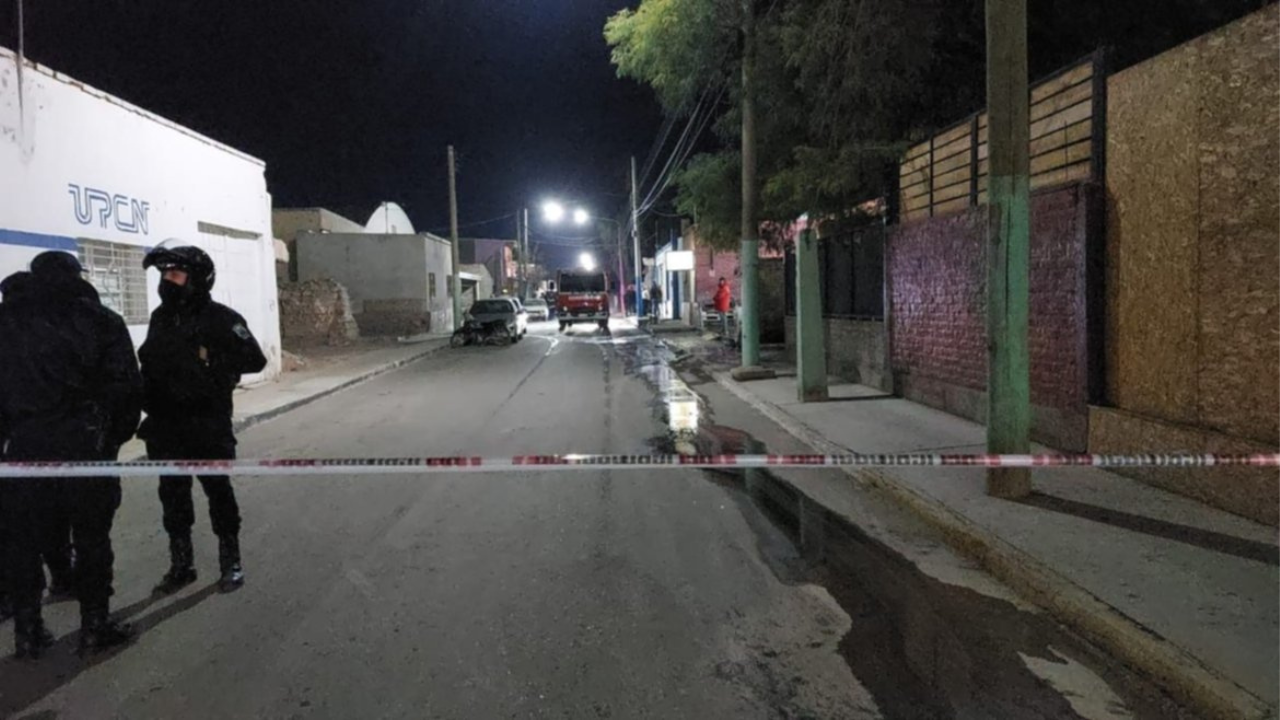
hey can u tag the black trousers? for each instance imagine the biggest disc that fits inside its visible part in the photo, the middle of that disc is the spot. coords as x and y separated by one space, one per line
175 491
57 542
29 508
5 593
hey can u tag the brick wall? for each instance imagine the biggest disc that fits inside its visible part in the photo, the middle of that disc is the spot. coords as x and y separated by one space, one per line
711 265
315 312
855 350
938 300
401 317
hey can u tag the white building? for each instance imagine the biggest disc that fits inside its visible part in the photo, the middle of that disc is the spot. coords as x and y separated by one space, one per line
88 173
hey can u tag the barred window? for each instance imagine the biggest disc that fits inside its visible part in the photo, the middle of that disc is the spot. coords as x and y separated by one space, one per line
431 281
115 270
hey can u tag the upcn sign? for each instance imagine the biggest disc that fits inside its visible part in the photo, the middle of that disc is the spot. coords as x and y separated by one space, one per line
97 207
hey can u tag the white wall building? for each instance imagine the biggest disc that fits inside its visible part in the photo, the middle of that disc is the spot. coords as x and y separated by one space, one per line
88 173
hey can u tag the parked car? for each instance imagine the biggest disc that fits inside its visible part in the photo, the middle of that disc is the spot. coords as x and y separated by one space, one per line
522 317
506 310
537 309
582 296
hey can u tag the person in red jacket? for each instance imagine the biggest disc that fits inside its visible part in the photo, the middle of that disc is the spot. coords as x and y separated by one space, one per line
723 301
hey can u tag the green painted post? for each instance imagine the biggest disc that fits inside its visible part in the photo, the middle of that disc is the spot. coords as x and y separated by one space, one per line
811 351
749 255
1008 242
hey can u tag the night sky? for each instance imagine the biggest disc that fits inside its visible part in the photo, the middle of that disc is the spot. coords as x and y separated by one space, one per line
351 102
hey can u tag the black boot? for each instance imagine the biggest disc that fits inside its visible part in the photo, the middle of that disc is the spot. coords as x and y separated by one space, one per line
30 638
98 631
182 571
229 563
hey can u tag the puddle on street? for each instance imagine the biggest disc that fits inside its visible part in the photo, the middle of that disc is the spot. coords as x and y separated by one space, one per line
923 648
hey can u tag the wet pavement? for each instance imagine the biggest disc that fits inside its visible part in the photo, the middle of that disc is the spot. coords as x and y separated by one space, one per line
922 647
669 594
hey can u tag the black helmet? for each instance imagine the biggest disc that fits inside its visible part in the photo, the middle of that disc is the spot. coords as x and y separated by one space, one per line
16 286
56 264
195 262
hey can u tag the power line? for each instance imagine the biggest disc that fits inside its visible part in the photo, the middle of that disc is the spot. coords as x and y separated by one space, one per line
667 168
508 216
656 193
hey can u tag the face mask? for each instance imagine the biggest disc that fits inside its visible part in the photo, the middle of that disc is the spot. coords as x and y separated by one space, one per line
171 293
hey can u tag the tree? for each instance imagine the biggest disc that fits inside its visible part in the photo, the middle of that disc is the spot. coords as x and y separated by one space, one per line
683 49
708 190
839 91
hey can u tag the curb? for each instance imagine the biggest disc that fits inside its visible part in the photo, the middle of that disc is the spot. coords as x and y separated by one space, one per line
1173 669
248 421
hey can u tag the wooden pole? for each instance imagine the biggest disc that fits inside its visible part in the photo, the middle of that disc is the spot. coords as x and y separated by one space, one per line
1008 242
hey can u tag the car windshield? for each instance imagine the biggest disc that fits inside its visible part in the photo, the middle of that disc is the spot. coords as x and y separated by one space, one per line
491 307
581 283
535 302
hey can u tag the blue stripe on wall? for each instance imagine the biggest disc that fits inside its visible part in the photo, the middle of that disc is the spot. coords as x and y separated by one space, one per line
48 242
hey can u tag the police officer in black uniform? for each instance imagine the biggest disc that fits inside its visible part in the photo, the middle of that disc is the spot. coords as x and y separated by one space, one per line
69 390
61 270
56 548
195 352
11 290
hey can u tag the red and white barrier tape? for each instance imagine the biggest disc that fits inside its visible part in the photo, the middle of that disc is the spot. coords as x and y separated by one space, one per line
559 463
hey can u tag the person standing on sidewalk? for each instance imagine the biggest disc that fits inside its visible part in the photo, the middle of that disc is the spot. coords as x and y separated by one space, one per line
724 303
655 300
195 352
69 390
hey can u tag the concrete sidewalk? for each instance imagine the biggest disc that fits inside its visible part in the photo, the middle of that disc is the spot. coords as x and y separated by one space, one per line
1186 593
291 390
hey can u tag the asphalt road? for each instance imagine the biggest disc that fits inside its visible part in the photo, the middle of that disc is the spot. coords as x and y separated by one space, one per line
670 594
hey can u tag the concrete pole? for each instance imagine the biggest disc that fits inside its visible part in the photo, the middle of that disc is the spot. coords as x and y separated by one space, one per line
749 254
455 284
811 352
1008 241
635 242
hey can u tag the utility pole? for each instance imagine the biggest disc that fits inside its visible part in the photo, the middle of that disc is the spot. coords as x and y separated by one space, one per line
524 256
455 282
22 60
635 239
749 254
622 272
1008 241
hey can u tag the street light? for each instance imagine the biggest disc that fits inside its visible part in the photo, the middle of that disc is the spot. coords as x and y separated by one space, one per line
582 217
553 211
